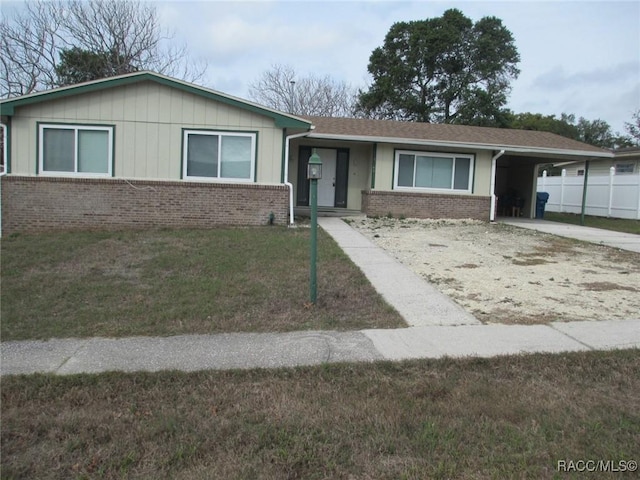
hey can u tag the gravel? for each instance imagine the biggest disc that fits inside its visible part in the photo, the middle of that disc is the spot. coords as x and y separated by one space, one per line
504 274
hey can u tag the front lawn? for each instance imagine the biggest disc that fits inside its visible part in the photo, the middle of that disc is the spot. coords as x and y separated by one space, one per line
169 282
510 417
615 224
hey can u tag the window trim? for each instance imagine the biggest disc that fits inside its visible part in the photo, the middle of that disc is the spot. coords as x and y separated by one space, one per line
219 133
76 127
452 156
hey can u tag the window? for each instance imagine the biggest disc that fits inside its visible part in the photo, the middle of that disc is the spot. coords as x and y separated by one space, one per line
219 155
581 173
624 168
437 171
75 150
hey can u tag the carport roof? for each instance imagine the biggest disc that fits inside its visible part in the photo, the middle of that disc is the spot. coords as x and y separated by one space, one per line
484 138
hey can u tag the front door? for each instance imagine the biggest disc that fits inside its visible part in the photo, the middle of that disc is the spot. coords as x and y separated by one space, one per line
327 184
332 187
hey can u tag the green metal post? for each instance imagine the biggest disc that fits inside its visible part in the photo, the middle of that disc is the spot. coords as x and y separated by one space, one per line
584 192
314 172
313 281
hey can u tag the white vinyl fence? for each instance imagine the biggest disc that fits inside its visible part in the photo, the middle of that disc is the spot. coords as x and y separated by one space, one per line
607 195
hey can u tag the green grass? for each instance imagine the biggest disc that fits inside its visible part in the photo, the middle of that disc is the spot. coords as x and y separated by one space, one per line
168 282
510 417
615 224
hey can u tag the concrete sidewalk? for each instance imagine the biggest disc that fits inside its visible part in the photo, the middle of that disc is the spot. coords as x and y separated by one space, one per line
271 350
624 241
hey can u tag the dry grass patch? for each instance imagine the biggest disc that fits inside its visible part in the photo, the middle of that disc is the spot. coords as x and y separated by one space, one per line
511 417
168 282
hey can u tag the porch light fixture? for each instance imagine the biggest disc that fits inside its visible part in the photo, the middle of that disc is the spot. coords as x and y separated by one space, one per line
314 169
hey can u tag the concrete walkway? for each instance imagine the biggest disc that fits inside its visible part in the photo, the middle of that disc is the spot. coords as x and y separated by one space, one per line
270 350
419 302
439 327
624 241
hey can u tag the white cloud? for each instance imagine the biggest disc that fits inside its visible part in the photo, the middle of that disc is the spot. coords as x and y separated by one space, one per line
576 57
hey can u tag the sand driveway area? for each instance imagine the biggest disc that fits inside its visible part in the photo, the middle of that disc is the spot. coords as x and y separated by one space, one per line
505 274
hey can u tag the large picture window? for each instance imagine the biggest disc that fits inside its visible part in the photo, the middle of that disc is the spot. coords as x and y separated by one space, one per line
219 155
433 171
75 150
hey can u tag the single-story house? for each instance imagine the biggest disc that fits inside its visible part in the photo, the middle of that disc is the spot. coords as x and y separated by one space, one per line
144 149
625 161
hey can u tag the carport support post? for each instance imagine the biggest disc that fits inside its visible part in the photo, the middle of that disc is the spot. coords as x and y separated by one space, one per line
584 191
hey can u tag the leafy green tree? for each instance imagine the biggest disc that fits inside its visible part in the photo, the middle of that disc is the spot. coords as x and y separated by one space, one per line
598 132
546 123
77 65
445 69
633 129
594 132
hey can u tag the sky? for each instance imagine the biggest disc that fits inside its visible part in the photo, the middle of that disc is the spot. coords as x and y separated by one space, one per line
579 57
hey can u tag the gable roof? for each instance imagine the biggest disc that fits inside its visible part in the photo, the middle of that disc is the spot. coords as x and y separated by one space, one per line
485 138
282 120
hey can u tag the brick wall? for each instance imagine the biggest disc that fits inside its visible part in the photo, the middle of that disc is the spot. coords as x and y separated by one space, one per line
32 204
425 205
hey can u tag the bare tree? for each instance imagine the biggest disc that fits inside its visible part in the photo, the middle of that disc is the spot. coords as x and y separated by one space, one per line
128 33
29 53
279 88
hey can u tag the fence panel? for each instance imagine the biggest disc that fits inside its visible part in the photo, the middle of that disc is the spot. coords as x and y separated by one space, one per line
607 195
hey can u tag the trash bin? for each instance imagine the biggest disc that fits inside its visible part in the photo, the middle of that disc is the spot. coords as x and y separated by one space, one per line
541 200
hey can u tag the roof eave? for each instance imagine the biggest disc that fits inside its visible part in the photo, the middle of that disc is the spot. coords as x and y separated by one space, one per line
475 146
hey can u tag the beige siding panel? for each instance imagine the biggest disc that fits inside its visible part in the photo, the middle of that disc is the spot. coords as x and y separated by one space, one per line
188 108
153 107
384 167
141 169
104 107
360 158
267 165
23 149
118 102
482 174
141 104
199 112
82 107
149 120
164 145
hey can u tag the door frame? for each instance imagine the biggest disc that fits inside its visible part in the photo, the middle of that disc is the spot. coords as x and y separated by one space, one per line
342 176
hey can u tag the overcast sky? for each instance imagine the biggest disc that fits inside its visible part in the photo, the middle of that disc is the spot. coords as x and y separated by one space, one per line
580 57
576 57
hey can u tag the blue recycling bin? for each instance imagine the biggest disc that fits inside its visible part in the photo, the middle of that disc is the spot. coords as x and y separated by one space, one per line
541 200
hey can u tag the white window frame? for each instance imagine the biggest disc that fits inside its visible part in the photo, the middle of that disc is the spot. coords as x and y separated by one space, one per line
220 134
76 128
452 156
623 166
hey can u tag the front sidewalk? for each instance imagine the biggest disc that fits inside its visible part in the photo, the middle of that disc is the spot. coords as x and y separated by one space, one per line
274 350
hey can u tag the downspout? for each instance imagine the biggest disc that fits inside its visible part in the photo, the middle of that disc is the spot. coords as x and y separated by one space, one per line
492 188
286 169
5 158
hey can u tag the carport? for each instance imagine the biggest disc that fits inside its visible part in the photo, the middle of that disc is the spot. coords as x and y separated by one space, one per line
516 173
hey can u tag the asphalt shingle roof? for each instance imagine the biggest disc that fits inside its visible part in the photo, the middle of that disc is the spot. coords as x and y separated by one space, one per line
357 127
